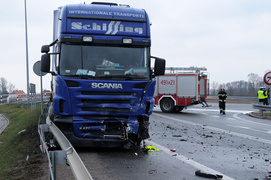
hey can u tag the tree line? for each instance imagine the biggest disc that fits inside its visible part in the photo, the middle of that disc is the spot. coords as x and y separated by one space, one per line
240 88
235 88
5 86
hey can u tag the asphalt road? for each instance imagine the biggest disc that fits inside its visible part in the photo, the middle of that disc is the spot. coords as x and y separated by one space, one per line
234 145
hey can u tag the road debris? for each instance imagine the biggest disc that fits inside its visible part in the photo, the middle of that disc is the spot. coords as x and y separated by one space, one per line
208 175
176 135
150 148
152 171
27 157
207 136
21 131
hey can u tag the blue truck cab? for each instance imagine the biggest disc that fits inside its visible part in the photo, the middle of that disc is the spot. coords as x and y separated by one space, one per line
102 80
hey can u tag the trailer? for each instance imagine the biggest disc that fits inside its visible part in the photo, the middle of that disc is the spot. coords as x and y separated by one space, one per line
181 87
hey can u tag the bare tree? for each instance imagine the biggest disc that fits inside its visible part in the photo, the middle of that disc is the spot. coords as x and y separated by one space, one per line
11 87
255 82
240 88
3 85
254 77
214 85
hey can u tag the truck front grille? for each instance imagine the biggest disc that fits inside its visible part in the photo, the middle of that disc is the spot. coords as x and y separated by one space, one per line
106 109
113 101
91 93
101 102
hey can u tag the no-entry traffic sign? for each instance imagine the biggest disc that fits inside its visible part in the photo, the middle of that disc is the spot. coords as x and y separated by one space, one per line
267 78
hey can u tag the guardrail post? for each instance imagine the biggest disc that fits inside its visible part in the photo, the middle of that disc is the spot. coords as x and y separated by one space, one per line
261 112
56 157
53 165
42 129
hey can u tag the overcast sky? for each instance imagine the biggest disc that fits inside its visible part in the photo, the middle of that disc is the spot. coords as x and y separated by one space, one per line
231 38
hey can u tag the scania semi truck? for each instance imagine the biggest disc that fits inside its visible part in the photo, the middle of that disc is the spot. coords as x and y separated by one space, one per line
102 80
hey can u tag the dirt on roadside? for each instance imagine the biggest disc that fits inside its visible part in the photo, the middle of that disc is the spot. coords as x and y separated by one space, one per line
35 165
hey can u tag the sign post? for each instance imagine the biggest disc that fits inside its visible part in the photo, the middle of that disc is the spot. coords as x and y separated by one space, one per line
267 80
37 71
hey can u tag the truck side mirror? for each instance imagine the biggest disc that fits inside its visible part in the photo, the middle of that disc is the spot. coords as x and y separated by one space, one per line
45 63
45 48
159 67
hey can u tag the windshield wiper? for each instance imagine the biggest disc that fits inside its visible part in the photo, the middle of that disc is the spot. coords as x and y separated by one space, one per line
81 76
114 76
126 77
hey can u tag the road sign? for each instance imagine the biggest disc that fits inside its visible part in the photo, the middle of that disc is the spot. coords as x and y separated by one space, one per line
267 78
36 69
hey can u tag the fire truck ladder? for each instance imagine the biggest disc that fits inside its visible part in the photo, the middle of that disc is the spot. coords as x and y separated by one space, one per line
192 68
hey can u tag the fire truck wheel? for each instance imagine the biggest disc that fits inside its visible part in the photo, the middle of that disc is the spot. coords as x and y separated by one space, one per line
167 105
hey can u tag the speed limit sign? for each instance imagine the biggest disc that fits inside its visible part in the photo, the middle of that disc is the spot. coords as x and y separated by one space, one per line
267 78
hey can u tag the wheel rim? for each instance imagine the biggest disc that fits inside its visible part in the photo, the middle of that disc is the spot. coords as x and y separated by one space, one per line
166 106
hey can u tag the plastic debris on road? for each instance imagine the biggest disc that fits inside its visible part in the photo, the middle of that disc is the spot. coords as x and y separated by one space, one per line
150 148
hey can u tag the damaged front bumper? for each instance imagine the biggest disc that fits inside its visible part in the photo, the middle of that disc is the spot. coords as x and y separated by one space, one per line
103 131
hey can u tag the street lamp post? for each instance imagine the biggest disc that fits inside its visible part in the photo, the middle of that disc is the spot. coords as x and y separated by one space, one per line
26 44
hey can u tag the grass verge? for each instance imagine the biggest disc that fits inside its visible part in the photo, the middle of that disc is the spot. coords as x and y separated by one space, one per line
20 156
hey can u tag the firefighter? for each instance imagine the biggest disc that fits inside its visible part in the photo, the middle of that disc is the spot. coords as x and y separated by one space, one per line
222 95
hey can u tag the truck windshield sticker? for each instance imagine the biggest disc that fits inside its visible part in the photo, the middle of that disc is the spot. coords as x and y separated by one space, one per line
105 27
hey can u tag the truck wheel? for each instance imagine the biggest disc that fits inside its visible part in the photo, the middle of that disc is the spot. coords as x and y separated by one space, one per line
167 105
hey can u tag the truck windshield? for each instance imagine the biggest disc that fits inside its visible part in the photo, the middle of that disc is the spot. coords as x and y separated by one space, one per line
104 62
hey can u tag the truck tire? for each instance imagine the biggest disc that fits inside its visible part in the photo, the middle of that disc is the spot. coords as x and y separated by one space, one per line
167 105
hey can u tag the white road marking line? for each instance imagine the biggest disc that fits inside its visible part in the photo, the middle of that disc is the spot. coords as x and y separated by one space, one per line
186 160
244 127
236 116
217 110
218 129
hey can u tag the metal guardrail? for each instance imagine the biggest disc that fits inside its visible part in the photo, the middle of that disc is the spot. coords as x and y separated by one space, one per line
261 107
59 157
245 98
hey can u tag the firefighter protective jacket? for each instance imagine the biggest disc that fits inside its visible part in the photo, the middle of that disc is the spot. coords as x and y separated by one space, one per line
222 95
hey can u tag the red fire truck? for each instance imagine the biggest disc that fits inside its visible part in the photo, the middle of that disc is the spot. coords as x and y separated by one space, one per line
181 87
